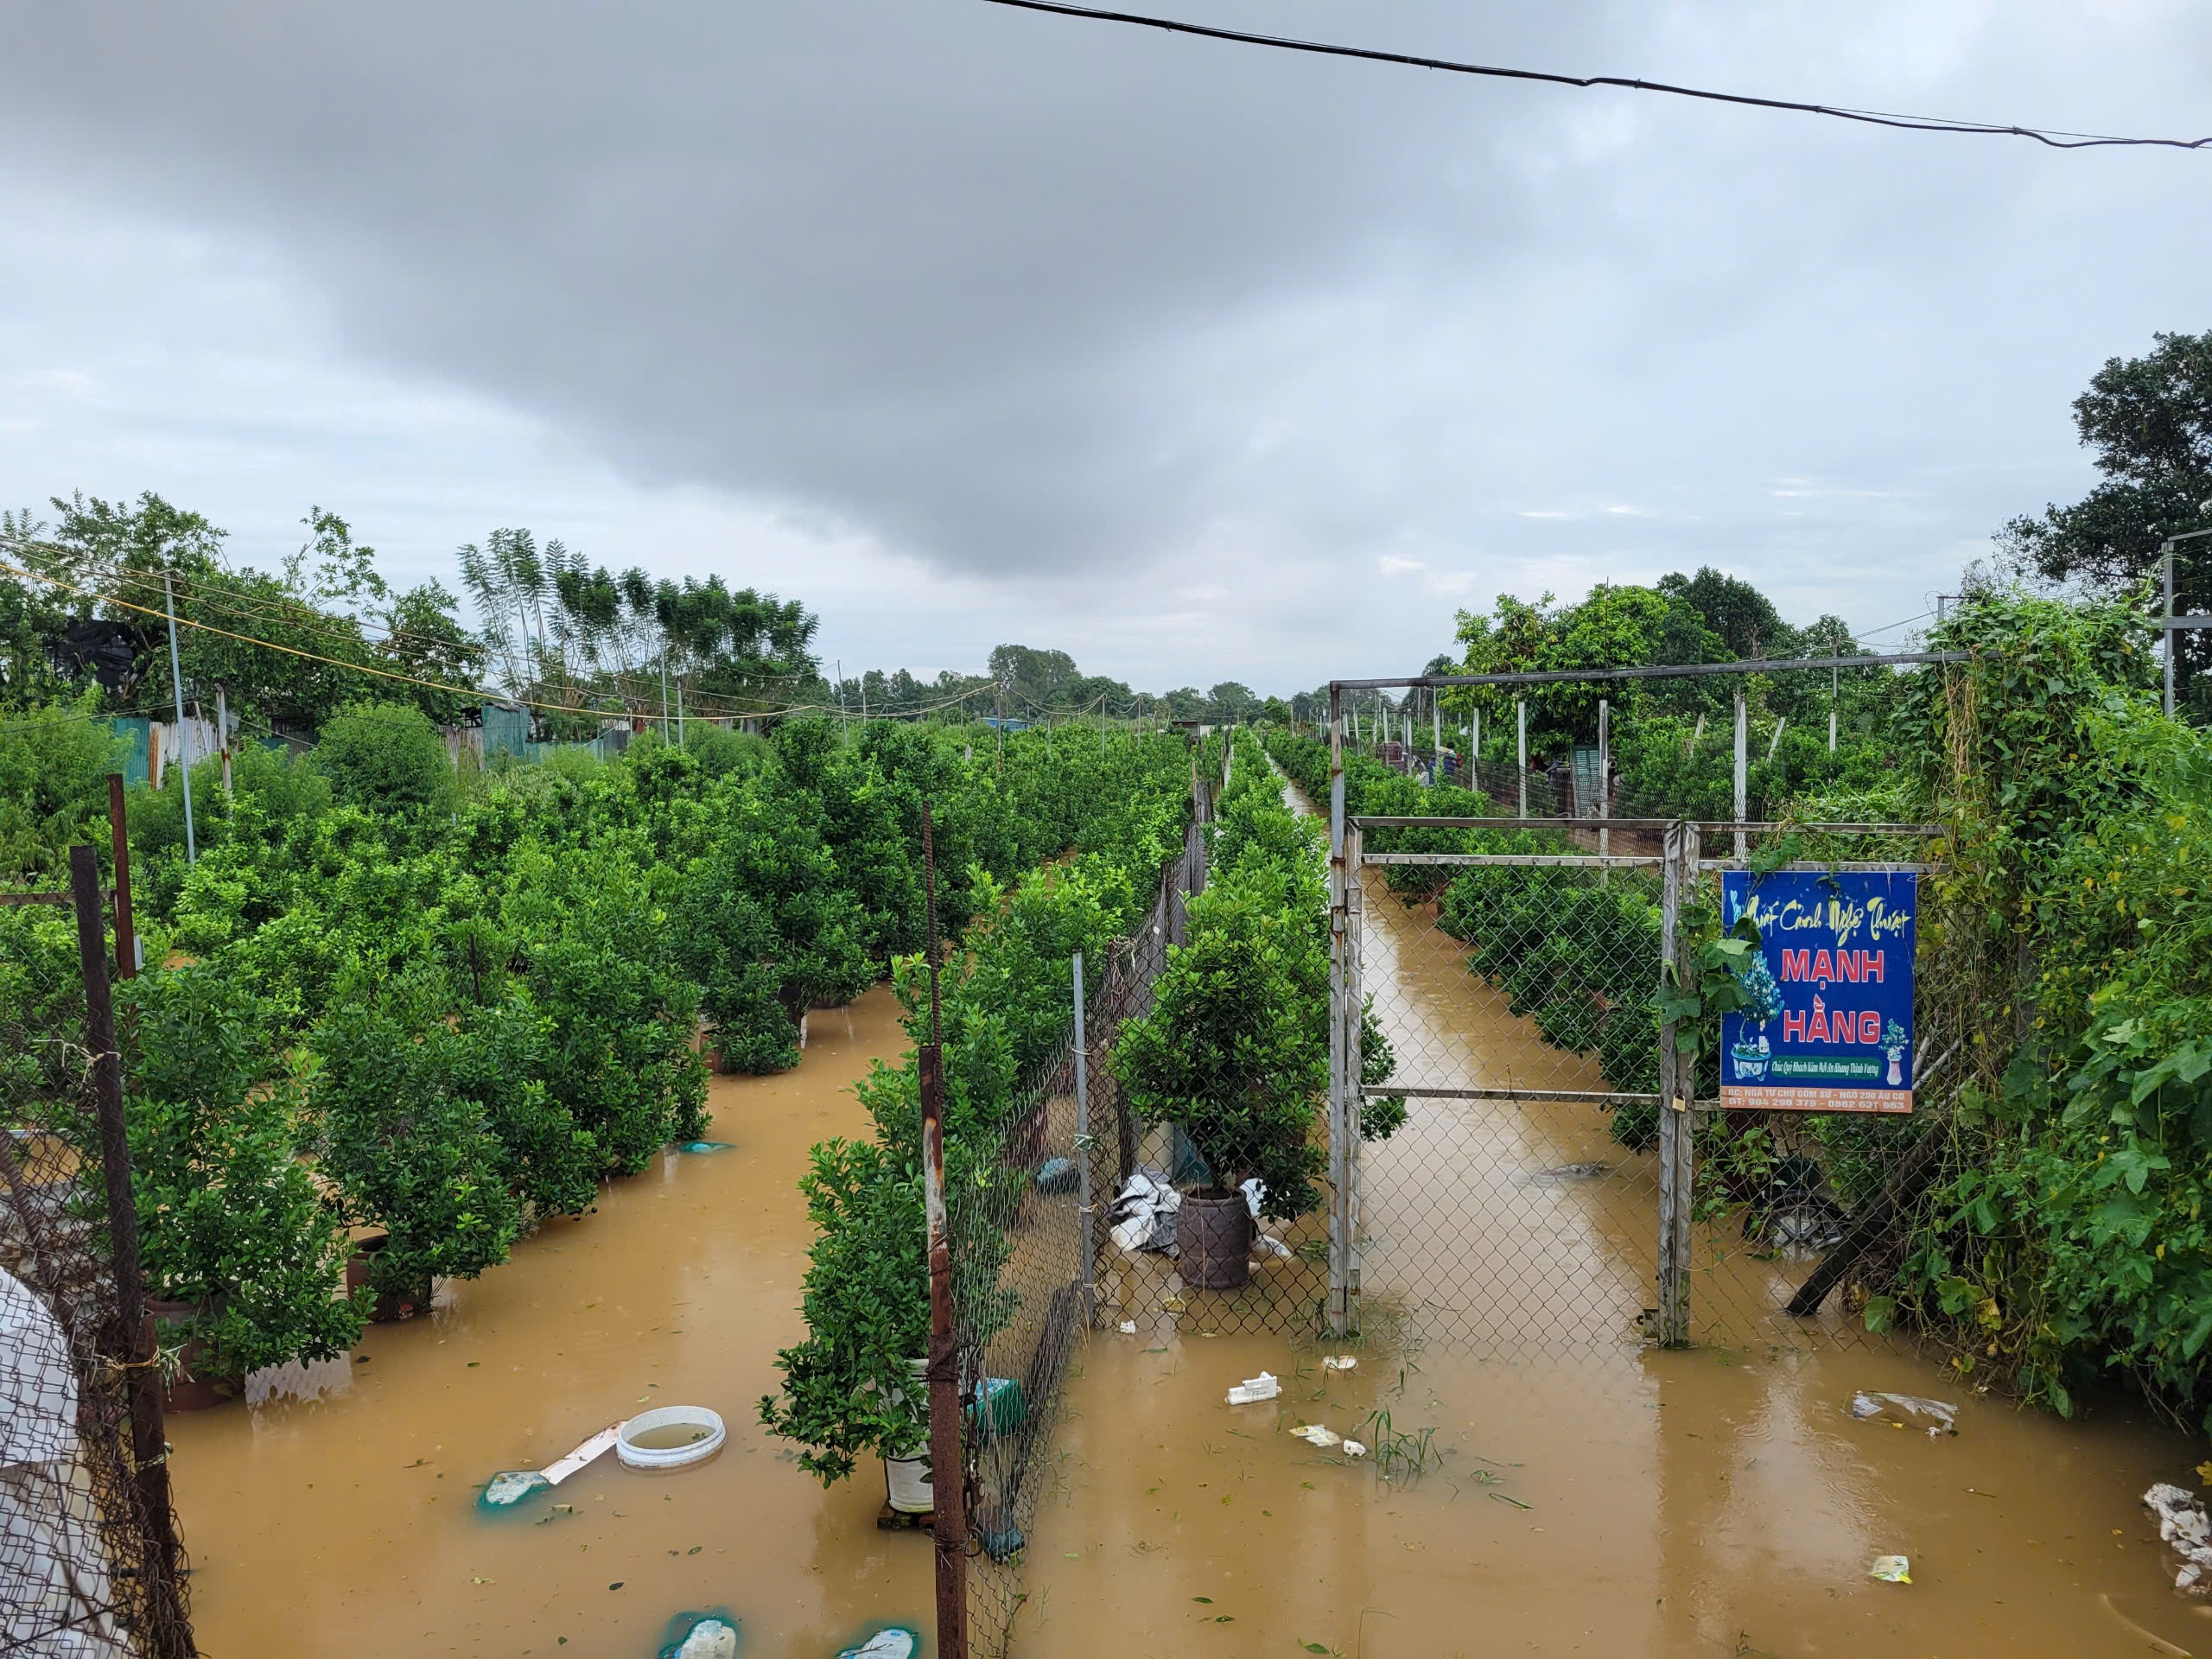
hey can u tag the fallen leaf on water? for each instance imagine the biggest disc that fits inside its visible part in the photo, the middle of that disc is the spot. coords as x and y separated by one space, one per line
483 1580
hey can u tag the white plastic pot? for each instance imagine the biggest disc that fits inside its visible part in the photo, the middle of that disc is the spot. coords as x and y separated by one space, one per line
634 1456
908 1480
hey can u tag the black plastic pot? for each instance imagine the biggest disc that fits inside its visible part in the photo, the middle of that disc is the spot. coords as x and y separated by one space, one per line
1213 1242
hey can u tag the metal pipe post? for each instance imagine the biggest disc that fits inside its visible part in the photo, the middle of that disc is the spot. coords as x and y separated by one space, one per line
183 749
1090 1263
223 736
2166 563
1676 1197
1604 788
948 1480
119 833
1339 1068
1521 722
1743 779
172 1632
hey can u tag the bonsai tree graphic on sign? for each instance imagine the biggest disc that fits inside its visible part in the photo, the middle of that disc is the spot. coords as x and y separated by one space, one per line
1762 1002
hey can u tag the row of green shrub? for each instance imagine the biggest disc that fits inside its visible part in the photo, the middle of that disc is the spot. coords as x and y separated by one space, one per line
1005 1000
448 1005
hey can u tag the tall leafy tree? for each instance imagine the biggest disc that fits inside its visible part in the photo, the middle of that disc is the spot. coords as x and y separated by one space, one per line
2148 423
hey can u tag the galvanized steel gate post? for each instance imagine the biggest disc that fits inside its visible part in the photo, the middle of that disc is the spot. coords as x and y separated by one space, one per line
1677 1093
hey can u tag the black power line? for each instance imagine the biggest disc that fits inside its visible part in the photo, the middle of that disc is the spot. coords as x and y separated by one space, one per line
2056 139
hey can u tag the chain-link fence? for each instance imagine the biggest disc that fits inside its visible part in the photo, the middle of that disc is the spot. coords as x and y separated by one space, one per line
89 1562
1069 1221
1542 1195
1028 1221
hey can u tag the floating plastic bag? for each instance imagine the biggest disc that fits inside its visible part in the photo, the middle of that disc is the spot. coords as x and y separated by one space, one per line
1890 1569
1908 1410
1253 1390
1354 1449
1142 1215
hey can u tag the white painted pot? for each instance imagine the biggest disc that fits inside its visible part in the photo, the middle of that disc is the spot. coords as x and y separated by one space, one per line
908 1480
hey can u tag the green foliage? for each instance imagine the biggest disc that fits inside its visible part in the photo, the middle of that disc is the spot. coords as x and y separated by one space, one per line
230 1219
2147 421
849 1389
386 757
1004 996
54 760
407 1143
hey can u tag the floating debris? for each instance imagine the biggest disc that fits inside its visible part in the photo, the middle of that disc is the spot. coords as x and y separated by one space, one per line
1253 1390
2185 1527
1938 1417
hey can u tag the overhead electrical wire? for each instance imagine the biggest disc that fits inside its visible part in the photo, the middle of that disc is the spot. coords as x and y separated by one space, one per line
2056 138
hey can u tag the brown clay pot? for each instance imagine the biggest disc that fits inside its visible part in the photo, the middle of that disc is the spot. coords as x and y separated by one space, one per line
389 1310
1213 1242
190 1391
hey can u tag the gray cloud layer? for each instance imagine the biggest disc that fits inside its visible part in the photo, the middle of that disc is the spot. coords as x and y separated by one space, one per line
1047 302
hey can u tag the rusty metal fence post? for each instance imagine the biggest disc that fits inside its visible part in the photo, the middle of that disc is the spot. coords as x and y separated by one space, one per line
948 1520
1341 1084
170 1637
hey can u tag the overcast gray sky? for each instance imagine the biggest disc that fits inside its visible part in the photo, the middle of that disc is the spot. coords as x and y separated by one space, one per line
1195 360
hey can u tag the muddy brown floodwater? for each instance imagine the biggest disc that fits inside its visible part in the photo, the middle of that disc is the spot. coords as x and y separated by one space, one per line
347 1524
1613 1499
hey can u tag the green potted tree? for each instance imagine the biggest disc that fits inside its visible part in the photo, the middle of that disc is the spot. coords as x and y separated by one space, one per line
1232 1051
851 1387
408 1148
241 1251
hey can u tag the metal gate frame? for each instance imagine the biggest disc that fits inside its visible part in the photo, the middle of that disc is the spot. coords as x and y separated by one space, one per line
1681 866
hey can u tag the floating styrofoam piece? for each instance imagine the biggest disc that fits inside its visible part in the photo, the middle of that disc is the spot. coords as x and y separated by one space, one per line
1339 1362
2185 1527
1314 1434
710 1638
1253 1390
1354 1449
1129 1327
510 1486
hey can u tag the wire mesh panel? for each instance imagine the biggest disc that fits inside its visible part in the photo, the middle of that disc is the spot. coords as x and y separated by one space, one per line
1514 978
87 1560
1516 1207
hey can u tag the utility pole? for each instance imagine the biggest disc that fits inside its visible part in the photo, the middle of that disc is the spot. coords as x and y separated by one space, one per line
663 692
183 748
844 725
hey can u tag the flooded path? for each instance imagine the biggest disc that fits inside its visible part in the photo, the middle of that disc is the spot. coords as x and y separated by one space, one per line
1588 1496
345 1524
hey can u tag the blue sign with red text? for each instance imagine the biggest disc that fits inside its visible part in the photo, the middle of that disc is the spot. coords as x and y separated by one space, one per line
1830 1028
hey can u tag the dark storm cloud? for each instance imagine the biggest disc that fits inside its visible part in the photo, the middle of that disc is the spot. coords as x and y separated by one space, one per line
1026 296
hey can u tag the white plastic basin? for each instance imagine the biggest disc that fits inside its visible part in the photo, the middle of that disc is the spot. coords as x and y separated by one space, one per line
703 1439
